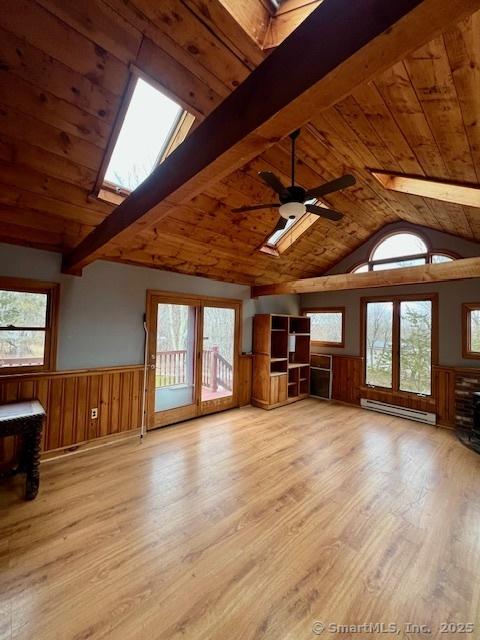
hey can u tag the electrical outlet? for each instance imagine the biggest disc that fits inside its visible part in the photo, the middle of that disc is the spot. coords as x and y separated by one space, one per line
94 413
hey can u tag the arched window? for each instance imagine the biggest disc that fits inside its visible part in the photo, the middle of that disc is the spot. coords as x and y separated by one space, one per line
401 249
399 245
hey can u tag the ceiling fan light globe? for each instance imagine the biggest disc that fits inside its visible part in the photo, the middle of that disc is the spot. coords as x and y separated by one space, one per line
292 210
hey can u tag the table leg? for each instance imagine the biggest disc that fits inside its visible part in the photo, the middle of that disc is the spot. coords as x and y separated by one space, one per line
32 446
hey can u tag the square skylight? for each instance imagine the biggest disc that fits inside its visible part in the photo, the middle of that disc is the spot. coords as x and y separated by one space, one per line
149 124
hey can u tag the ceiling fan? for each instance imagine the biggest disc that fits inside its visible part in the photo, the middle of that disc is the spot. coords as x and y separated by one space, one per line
296 201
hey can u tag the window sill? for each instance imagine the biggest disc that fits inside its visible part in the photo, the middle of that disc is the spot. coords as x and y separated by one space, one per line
328 345
471 355
403 395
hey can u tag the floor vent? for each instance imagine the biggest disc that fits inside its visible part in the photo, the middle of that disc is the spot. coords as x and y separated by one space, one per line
401 412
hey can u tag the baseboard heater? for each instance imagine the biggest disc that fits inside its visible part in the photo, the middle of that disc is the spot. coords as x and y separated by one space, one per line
402 412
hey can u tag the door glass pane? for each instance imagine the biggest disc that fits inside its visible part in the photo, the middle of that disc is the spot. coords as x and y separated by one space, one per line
416 346
379 334
175 357
218 352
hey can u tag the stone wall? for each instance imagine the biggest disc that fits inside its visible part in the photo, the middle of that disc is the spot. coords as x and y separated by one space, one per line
465 384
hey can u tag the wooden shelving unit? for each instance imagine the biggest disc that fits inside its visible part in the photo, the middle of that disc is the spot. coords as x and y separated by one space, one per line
281 361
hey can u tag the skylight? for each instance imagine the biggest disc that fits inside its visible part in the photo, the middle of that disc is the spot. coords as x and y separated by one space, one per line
147 129
273 240
275 237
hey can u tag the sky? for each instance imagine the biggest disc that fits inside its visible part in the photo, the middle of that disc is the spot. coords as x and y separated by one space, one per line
145 131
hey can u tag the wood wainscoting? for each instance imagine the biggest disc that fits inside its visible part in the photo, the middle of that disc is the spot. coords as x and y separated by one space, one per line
444 394
69 397
347 378
348 387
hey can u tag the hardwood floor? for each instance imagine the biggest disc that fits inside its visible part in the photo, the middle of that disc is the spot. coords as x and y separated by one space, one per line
248 525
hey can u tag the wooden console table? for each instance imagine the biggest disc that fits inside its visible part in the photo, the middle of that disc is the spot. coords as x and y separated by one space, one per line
25 419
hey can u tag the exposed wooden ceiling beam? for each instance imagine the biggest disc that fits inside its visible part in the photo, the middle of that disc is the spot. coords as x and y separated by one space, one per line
456 270
447 191
279 96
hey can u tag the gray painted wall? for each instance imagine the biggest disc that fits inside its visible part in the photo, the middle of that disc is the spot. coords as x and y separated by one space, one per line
101 313
451 295
437 240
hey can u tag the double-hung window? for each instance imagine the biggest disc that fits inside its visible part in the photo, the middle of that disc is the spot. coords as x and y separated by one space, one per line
27 326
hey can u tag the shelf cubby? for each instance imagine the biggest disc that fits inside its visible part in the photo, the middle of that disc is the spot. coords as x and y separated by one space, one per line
278 365
281 359
299 324
278 344
279 323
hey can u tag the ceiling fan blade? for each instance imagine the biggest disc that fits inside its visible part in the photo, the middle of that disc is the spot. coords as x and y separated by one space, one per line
334 185
255 207
330 214
273 182
281 224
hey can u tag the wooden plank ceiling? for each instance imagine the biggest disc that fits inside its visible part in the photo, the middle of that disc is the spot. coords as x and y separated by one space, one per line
64 67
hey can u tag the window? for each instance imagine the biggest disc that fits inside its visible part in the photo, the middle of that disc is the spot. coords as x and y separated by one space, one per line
399 348
153 125
27 325
416 346
399 245
327 326
275 237
379 344
361 268
398 250
471 330
438 258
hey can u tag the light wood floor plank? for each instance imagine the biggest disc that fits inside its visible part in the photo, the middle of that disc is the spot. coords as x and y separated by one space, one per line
247 525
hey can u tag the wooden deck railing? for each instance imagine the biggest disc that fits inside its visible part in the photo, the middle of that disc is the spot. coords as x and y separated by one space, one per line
171 369
25 361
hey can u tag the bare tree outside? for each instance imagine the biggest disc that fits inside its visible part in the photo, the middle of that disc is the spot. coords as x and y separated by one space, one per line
176 336
475 330
326 326
416 346
20 313
379 340
218 331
